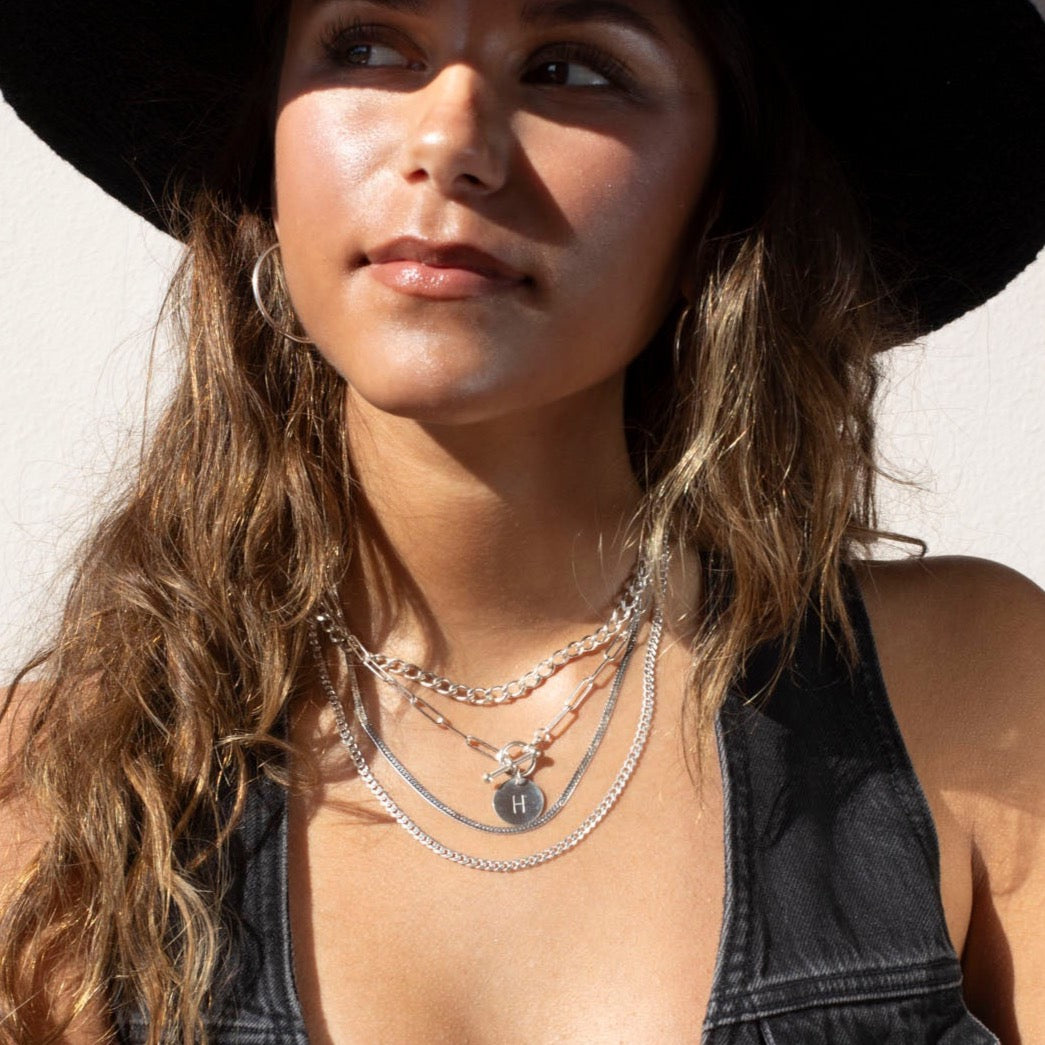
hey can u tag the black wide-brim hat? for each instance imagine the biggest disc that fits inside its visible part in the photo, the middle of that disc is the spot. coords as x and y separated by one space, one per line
935 108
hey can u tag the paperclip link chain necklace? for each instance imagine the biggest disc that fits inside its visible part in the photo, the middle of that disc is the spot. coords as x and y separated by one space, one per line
478 863
519 801
632 601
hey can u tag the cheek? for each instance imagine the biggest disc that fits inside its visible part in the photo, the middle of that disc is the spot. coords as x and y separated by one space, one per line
618 183
330 164
324 155
628 203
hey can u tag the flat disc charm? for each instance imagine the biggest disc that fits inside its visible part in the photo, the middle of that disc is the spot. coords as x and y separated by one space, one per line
518 801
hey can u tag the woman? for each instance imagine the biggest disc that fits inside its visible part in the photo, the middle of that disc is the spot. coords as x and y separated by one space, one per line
508 324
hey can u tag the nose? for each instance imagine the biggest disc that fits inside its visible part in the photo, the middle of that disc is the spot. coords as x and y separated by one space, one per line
460 140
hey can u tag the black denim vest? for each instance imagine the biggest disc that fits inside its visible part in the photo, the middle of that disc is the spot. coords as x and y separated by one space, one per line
833 932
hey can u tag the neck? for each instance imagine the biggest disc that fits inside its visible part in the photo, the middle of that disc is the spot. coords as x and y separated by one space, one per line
482 545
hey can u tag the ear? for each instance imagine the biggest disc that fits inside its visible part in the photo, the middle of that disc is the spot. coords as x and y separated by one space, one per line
686 284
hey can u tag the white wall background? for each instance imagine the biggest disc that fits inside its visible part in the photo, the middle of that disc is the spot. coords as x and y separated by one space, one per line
81 280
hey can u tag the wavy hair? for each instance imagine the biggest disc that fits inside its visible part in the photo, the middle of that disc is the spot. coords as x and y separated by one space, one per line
184 635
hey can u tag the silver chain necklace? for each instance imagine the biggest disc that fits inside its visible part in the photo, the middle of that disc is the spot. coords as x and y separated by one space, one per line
519 801
631 603
550 852
530 815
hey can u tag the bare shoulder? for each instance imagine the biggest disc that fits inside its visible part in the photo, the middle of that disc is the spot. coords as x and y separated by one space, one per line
966 637
960 587
962 647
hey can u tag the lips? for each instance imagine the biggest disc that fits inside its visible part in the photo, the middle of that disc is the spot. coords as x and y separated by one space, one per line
441 271
445 255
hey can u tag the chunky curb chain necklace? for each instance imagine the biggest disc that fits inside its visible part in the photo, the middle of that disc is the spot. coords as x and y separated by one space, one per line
550 852
632 602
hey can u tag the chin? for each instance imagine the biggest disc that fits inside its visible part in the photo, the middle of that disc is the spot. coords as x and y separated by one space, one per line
457 377
438 402
453 381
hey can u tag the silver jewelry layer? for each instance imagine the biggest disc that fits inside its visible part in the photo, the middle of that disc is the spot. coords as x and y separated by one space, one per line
500 829
574 838
528 753
632 602
255 286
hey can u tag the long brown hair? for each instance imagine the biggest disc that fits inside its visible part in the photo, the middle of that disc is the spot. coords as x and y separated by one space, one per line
184 634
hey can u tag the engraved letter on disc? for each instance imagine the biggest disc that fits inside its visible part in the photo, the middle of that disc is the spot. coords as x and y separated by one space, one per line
518 801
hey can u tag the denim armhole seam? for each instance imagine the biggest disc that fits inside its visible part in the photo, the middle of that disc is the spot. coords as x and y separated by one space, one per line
734 941
902 776
288 983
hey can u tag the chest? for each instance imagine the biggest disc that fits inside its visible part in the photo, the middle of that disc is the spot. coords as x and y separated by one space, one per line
614 940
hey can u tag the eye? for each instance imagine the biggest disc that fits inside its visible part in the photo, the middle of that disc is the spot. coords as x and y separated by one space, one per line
368 47
372 55
567 74
577 65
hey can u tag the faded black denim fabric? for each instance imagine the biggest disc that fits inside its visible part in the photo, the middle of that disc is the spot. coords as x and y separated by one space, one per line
833 929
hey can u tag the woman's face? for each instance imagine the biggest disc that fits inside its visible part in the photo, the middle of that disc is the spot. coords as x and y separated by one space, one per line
482 203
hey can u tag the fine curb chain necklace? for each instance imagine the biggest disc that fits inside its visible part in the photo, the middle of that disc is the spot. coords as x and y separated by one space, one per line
576 836
524 808
631 603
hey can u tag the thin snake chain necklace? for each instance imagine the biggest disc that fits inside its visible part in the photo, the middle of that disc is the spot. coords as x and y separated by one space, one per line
518 801
581 832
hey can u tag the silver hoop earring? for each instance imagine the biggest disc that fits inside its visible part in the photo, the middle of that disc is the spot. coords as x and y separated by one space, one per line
255 283
680 328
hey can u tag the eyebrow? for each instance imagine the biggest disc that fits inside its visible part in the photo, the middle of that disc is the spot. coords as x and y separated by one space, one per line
413 7
550 12
553 11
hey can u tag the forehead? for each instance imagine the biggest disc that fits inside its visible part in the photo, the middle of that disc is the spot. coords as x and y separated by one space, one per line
648 16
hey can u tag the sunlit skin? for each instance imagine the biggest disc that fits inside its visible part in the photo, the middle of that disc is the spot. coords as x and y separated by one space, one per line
452 125
568 143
